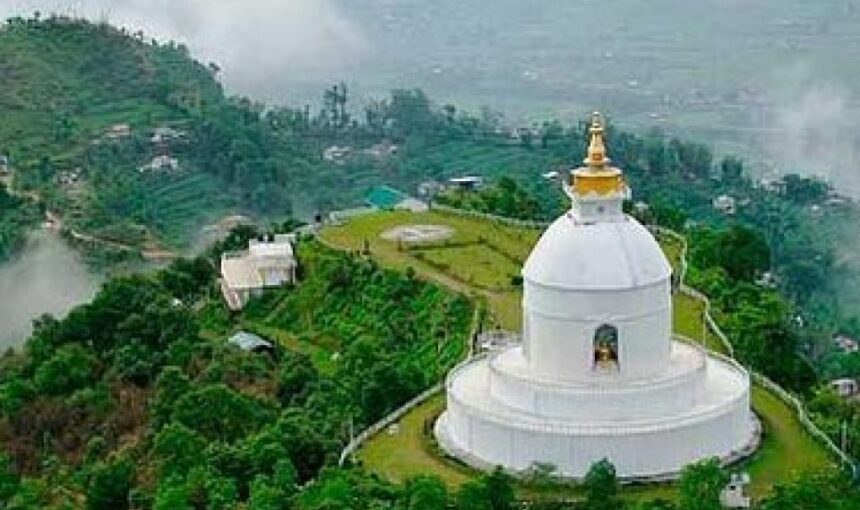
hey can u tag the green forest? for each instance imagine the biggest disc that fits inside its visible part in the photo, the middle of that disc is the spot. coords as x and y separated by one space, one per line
17 216
136 400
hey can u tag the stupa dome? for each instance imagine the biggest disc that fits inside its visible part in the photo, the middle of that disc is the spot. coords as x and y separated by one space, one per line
612 255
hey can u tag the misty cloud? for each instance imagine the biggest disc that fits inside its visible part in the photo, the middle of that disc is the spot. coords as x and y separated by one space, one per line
812 128
262 45
48 277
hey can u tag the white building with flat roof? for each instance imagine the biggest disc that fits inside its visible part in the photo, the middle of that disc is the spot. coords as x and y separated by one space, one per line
845 387
265 264
599 373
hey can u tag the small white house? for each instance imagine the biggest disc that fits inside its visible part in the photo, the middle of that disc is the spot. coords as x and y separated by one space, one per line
733 495
772 183
845 387
68 178
382 150
725 204
846 344
337 154
161 163
118 131
552 175
467 182
266 264
250 342
4 165
166 134
430 188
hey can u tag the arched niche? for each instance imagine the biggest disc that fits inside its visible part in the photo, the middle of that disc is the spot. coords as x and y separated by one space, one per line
605 348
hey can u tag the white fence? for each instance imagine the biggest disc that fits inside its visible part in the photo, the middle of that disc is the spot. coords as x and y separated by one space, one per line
385 422
491 217
401 411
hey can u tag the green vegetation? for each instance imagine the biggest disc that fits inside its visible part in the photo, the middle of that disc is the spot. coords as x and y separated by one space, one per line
480 259
16 216
504 198
136 400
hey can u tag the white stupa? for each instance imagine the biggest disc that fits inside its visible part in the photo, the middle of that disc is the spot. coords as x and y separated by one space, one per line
598 374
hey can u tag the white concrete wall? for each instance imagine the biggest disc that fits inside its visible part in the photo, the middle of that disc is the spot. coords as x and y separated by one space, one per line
672 394
635 451
620 423
559 327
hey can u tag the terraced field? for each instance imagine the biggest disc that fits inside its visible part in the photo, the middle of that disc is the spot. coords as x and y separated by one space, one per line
146 211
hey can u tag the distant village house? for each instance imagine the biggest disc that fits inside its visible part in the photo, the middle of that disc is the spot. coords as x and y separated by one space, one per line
67 178
250 342
845 388
337 154
846 344
118 131
467 182
265 264
772 183
725 204
430 188
164 134
381 150
161 163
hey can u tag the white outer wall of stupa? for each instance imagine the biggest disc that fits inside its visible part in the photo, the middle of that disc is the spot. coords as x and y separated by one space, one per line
552 317
643 432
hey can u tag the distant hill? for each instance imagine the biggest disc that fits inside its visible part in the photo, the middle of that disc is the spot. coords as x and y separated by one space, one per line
62 80
133 142
82 107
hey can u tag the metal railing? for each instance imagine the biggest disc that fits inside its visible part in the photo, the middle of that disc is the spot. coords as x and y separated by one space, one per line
785 396
401 411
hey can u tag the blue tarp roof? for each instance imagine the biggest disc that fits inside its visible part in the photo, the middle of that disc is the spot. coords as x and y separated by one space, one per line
384 197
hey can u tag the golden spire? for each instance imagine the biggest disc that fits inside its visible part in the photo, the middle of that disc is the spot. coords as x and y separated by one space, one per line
597 177
596 159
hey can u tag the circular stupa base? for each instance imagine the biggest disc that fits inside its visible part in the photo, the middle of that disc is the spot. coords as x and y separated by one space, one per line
485 431
453 450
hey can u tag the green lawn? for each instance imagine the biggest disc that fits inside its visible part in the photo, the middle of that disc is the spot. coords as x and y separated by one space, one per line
492 266
786 449
487 269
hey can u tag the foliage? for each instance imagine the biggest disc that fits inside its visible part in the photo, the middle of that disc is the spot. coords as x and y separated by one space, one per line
823 491
601 487
70 368
109 487
16 216
701 484
135 401
740 251
504 198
